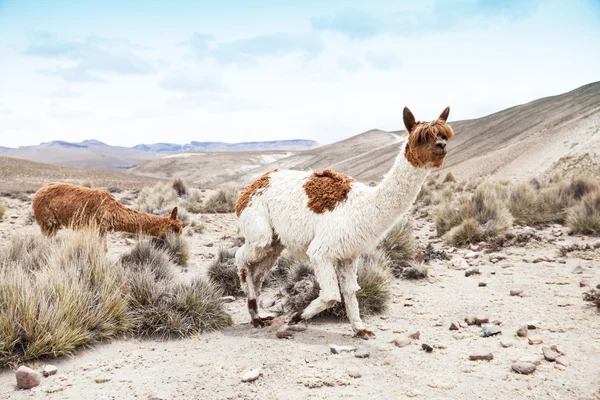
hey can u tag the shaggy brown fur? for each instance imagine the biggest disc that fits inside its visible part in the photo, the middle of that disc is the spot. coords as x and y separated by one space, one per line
326 189
254 189
426 138
62 205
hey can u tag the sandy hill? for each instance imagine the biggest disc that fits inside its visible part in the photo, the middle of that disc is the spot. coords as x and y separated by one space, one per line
23 175
558 132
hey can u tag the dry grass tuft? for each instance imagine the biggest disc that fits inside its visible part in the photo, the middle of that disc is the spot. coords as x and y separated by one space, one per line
585 216
180 187
449 178
156 199
224 274
400 247
593 296
374 277
221 202
2 210
61 294
473 218
193 201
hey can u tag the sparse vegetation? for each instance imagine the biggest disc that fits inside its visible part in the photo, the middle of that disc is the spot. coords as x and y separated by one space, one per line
221 202
585 216
224 274
472 218
449 178
593 296
400 247
2 210
193 202
301 287
60 294
156 199
180 187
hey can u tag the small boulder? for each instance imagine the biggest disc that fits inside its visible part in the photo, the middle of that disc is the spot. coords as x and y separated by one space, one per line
362 354
490 330
252 375
481 357
49 370
564 361
472 271
523 368
471 319
533 340
481 318
516 292
522 331
427 348
459 263
335 349
354 372
454 325
27 378
402 342
549 354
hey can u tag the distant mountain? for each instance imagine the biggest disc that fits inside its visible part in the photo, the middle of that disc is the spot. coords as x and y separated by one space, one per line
5 149
275 145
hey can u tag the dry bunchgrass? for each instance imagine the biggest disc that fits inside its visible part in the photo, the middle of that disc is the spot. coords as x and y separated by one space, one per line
449 178
223 201
374 277
61 294
193 201
584 217
400 248
157 199
180 187
223 273
473 217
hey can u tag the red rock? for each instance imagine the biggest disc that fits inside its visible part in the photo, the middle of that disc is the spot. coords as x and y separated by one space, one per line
535 340
481 357
481 318
27 378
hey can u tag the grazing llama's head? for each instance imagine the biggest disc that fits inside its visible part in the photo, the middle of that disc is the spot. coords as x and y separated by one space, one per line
170 225
426 145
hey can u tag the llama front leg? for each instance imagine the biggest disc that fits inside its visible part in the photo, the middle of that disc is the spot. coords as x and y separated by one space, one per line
328 296
348 274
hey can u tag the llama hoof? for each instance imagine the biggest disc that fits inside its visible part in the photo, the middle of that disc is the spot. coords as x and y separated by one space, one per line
365 334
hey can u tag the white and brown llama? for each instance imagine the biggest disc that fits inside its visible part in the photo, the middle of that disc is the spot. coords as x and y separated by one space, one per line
331 219
62 205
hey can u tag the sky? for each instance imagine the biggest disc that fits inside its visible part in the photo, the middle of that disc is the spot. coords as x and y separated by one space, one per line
175 71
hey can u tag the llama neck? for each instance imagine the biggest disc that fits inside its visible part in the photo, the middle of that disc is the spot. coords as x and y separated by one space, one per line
396 193
133 221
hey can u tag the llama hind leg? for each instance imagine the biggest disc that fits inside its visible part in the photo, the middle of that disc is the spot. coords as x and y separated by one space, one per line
347 274
328 295
253 265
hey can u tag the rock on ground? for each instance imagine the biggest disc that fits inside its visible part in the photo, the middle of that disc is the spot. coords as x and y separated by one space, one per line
27 378
251 375
524 368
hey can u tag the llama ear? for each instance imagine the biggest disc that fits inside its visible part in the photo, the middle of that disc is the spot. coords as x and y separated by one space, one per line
409 119
174 213
444 114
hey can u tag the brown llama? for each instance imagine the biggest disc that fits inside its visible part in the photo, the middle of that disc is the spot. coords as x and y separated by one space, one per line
62 205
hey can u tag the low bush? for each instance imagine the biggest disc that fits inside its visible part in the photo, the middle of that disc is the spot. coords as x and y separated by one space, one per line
584 217
223 201
223 273
180 187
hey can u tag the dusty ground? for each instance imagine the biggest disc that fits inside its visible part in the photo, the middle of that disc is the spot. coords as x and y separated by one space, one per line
210 366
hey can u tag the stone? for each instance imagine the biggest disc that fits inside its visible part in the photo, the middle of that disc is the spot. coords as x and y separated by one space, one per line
227 299
459 263
402 342
584 283
472 271
549 354
415 336
522 331
532 325
276 323
523 368
49 370
482 284
252 375
533 359
507 343
427 348
578 270
490 330
597 245
354 372
27 378
559 349
454 325
481 357
516 292
335 349
535 340
471 319
564 361
471 255
362 354
285 334
474 247
481 318
266 303
299 327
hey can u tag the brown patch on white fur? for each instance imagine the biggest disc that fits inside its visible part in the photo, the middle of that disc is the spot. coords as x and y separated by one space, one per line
326 189
254 189
426 140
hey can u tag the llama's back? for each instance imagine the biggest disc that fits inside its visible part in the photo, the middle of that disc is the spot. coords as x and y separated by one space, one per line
61 205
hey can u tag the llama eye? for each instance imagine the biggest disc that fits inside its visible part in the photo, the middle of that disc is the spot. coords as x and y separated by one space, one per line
443 137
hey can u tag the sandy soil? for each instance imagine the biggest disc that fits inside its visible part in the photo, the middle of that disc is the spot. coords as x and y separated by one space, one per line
210 366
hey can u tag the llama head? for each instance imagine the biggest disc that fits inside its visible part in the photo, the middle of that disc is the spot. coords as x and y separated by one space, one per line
426 145
171 225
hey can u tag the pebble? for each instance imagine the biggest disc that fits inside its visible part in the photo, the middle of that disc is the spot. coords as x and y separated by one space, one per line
471 319
549 354
507 343
251 375
335 349
299 327
523 368
27 378
533 359
472 271
482 284
535 340
276 323
584 283
227 299
531 325
559 349
490 330
516 292
354 372
578 270
49 370
564 361
474 247
481 318
471 255
415 336
459 263
285 334
454 326
402 342
522 331
362 354
427 348
481 357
